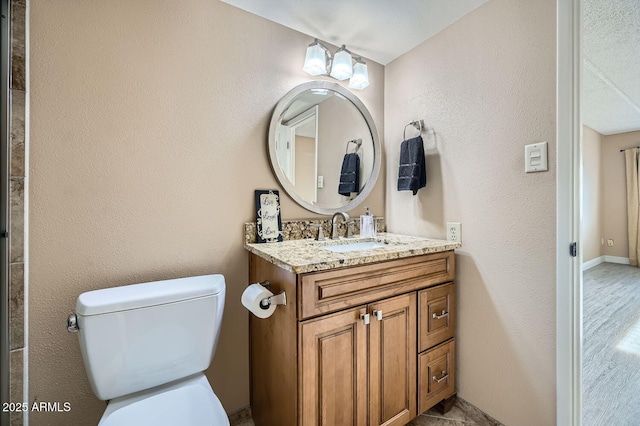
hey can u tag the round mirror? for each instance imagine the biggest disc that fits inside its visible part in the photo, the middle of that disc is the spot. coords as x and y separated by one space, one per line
324 147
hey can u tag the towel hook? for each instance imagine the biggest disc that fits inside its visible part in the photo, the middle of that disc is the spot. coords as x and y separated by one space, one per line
415 123
357 142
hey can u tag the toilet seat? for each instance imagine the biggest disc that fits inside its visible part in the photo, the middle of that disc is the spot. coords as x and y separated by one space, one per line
186 402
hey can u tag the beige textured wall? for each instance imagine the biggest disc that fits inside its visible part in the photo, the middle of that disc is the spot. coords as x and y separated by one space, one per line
592 195
615 195
485 87
149 122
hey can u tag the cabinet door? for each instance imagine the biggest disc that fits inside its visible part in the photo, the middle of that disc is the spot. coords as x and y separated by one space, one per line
436 315
333 370
392 352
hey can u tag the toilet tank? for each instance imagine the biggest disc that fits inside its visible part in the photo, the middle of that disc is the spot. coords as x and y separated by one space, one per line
139 336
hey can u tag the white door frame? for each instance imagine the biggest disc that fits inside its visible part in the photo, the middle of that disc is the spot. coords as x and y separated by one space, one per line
568 268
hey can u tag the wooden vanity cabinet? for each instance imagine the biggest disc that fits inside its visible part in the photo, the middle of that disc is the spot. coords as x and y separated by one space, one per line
348 348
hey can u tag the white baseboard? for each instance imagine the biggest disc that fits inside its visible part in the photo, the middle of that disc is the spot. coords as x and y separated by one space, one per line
593 262
617 259
611 259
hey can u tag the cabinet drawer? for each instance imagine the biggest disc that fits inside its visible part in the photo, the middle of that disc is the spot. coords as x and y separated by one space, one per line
436 375
436 315
323 292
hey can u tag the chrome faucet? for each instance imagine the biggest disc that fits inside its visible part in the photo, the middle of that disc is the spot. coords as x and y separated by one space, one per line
334 223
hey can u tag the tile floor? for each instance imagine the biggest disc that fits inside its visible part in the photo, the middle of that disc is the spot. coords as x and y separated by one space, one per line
461 414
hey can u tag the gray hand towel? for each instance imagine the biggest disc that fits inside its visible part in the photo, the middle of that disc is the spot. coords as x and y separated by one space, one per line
412 174
349 175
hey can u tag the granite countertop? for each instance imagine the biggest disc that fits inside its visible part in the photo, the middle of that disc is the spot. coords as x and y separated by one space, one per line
308 255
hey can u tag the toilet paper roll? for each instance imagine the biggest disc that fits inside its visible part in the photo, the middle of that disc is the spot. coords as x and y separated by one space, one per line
251 298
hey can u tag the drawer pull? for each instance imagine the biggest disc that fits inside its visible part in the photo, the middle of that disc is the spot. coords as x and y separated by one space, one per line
444 376
442 315
378 315
365 318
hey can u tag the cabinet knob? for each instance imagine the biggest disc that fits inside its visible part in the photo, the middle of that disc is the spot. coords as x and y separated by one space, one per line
378 315
365 318
442 315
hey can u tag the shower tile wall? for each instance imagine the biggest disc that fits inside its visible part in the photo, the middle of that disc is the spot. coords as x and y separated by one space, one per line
17 236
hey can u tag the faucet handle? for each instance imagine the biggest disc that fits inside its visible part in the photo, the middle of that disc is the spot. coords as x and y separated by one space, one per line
320 233
350 224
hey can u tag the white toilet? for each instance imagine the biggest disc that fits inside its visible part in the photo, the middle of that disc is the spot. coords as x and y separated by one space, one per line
145 348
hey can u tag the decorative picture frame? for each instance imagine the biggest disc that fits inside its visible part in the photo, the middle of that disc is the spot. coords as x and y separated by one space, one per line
268 219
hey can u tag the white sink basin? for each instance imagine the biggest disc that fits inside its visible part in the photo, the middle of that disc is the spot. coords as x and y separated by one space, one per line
366 245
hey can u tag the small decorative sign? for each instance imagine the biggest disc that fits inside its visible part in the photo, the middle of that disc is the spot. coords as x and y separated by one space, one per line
268 220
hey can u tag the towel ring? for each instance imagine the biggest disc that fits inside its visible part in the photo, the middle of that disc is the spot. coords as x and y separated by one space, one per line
357 142
415 123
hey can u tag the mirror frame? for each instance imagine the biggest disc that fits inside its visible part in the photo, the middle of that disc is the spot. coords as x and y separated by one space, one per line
273 159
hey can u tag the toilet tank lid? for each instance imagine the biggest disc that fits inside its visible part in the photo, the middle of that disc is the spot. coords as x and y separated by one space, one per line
144 295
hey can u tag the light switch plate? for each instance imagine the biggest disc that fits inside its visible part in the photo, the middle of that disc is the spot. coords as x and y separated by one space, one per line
535 157
320 182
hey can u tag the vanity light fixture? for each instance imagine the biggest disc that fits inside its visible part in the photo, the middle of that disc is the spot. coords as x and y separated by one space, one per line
341 66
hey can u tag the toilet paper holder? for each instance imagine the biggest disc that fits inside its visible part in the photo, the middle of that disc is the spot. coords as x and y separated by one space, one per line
276 299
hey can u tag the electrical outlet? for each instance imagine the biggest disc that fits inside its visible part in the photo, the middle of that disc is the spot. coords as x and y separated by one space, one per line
320 182
454 231
610 242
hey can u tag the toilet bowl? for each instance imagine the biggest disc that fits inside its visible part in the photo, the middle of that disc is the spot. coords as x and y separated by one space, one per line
145 348
188 402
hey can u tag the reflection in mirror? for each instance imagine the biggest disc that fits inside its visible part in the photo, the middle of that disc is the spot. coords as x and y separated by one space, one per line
312 134
296 145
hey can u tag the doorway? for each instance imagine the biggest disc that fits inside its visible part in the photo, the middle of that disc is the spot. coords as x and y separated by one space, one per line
569 285
610 118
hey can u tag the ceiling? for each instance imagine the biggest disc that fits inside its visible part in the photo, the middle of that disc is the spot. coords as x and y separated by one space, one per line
611 71
382 30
